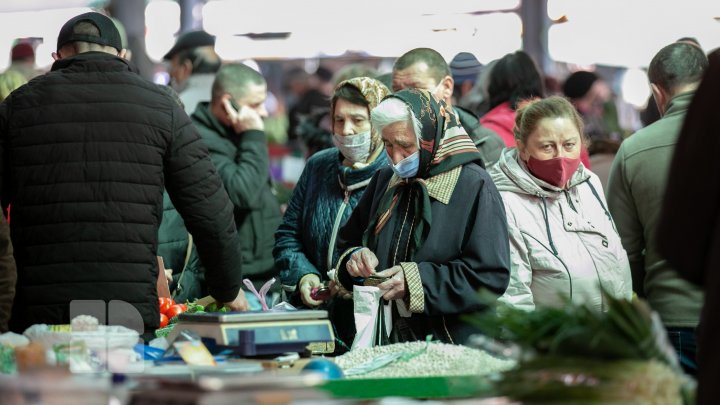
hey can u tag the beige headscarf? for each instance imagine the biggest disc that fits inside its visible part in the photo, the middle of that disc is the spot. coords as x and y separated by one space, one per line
374 92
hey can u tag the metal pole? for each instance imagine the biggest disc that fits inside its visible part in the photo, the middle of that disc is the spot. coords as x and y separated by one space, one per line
535 31
131 14
191 15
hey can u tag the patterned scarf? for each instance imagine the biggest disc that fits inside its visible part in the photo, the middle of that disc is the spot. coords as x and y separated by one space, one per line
444 145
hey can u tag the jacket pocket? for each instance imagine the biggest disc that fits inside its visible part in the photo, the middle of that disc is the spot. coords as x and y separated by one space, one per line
551 278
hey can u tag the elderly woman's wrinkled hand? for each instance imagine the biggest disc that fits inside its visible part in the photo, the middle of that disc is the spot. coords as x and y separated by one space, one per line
394 287
362 263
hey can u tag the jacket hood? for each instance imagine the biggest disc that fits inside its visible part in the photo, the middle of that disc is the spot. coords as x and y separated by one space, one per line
205 117
511 174
502 116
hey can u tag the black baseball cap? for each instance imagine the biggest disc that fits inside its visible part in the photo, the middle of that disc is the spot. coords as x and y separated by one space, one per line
109 34
190 40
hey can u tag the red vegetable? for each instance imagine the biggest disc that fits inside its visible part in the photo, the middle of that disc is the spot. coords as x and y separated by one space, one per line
165 304
163 320
174 311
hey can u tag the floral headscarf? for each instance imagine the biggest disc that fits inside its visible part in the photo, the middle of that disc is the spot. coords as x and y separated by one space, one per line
374 92
444 145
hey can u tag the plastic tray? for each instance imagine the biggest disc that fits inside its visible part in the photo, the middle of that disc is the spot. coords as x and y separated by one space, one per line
413 387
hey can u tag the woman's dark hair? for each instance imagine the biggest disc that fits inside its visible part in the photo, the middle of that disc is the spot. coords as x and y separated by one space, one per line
313 134
513 78
606 146
349 93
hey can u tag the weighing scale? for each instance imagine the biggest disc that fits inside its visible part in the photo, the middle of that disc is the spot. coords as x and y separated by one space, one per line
259 333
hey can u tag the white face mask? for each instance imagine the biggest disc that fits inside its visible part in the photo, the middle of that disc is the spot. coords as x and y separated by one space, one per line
355 148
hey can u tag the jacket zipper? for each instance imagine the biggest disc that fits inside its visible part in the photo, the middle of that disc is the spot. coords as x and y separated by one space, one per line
569 200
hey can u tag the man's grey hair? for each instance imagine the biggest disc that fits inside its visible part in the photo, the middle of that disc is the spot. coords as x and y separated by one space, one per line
676 65
234 79
392 110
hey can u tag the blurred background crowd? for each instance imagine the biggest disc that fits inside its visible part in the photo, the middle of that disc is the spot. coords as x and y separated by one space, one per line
595 53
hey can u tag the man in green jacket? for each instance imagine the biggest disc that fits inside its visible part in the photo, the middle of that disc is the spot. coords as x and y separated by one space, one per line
231 125
635 193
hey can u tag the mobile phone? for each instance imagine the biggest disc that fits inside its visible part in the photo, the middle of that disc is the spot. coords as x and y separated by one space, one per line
231 107
374 280
320 293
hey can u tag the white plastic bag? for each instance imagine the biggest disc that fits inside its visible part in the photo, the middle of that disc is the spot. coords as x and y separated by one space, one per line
367 304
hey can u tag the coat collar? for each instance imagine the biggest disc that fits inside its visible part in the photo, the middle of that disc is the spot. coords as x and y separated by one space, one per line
679 103
94 57
351 178
439 187
204 116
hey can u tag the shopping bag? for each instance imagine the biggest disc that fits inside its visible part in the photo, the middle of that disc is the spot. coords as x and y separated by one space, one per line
373 319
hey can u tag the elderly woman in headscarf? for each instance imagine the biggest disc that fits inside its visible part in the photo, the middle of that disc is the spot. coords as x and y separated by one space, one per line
326 194
433 225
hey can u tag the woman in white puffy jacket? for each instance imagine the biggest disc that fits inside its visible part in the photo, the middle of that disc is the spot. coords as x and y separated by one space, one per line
563 240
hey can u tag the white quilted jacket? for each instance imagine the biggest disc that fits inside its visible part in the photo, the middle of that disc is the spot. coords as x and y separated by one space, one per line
563 243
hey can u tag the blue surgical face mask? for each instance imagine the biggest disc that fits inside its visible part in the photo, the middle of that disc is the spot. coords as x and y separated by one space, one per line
407 167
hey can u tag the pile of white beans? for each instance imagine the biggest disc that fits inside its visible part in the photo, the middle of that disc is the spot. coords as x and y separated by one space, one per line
439 360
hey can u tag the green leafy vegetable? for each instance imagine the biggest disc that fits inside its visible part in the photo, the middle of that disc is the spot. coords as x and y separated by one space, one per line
628 330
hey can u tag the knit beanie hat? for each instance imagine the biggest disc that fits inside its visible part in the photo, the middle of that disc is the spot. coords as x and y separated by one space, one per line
465 67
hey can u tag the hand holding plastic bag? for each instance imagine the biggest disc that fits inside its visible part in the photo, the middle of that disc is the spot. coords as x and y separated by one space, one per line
372 317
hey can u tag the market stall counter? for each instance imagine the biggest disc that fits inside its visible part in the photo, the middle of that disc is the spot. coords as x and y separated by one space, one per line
550 355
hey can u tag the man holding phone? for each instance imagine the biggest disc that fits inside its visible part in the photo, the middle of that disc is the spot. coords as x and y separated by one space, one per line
231 125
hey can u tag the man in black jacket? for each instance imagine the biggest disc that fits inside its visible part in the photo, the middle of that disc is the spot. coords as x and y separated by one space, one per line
8 275
86 151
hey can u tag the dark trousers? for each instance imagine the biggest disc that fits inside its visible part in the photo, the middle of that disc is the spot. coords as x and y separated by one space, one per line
683 340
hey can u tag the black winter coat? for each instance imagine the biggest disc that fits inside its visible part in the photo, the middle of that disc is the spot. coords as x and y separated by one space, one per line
489 144
86 152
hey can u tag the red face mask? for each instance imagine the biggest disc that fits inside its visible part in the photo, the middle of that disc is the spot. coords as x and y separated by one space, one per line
556 171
